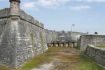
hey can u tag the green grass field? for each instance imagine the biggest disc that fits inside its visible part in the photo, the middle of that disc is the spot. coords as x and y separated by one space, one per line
101 46
88 64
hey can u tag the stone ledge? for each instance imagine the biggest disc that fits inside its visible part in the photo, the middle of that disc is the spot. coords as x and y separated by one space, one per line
5 13
96 53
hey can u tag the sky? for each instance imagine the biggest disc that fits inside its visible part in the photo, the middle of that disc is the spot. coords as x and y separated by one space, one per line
76 15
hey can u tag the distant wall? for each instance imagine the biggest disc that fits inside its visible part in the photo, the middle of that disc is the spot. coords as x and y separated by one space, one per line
97 54
74 36
51 36
96 40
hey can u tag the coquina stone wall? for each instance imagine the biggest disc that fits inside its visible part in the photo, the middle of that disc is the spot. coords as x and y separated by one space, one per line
97 54
95 40
51 36
20 39
54 36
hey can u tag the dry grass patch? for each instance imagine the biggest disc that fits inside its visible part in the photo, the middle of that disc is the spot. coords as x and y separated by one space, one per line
4 67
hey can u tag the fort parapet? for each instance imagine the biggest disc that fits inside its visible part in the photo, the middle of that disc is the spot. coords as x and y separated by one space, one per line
96 40
20 38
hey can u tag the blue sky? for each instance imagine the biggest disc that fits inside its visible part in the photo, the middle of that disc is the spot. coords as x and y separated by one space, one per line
87 15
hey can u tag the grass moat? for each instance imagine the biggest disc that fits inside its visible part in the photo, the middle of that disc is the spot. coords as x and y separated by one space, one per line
62 58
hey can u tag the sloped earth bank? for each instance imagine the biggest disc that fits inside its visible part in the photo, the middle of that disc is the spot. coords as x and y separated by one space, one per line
63 58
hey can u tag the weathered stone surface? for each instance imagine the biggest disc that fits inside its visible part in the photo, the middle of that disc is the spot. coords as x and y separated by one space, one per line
62 36
7 55
96 40
21 38
96 54
30 19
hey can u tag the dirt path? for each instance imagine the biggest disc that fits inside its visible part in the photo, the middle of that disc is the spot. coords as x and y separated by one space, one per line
47 66
62 59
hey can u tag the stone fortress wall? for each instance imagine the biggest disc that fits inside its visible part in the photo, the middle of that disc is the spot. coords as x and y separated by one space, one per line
20 40
24 16
6 48
96 53
90 45
67 36
51 36
95 40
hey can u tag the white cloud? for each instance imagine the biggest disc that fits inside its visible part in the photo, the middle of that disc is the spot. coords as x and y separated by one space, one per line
47 2
98 1
37 4
28 5
79 8
51 3
95 0
44 3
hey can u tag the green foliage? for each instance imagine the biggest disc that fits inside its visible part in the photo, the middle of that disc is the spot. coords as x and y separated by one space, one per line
101 46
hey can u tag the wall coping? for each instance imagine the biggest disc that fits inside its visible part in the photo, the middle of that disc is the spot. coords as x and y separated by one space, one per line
92 46
93 35
5 13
